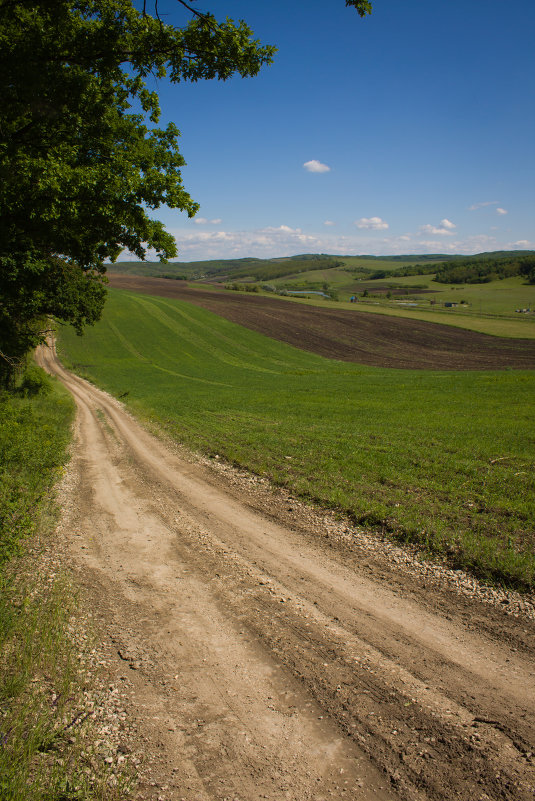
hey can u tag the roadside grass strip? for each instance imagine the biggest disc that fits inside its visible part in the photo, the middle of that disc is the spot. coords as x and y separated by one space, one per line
39 676
35 424
45 712
442 459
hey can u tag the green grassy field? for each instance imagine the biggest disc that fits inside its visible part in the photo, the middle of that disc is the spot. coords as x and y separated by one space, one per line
497 297
34 432
491 308
46 749
444 459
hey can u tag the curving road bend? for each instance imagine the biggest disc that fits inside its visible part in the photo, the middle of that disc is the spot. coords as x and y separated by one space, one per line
272 661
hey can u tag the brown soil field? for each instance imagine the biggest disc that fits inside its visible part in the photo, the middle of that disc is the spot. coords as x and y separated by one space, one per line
349 335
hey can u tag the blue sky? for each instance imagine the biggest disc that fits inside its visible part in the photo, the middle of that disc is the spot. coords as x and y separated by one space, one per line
409 131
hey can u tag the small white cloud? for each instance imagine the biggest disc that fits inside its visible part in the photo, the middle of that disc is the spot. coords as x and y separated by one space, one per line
482 204
447 224
329 222
441 230
214 236
371 223
204 221
207 242
501 211
284 228
316 166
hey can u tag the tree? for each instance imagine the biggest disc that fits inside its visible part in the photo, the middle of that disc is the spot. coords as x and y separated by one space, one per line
363 6
82 161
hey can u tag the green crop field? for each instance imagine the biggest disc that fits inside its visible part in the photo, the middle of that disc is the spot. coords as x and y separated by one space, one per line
501 307
495 298
393 263
444 459
490 308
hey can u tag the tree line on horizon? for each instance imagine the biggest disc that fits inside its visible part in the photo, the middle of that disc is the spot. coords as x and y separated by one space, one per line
482 271
479 269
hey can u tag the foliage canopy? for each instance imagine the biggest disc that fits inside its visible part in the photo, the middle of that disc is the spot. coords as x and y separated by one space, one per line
482 271
82 159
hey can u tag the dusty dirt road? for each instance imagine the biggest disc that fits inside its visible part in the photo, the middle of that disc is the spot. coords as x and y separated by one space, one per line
269 657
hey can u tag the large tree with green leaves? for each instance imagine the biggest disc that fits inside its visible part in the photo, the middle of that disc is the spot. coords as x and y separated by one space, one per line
82 159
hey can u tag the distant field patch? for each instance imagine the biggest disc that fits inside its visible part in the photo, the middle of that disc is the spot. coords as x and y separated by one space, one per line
376 340
445 459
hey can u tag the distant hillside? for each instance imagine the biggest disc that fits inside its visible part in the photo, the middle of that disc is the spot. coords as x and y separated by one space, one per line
481 268
487 267
230 269
414 259
366 266
192 270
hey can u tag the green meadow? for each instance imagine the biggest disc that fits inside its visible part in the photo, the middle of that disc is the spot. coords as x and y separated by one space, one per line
501 297
442 459
488 308
46 734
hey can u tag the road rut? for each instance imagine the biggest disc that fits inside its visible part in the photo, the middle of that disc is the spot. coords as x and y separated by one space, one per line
269 660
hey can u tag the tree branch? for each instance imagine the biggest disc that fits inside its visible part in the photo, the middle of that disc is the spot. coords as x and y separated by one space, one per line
198 14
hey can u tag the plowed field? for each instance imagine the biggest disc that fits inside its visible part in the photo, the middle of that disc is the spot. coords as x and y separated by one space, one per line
353 336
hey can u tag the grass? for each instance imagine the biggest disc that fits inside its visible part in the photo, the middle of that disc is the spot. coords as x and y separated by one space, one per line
39 676
491 307
443 459
495 298
34 432
44 734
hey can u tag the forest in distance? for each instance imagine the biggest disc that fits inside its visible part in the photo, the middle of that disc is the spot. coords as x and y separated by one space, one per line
480 268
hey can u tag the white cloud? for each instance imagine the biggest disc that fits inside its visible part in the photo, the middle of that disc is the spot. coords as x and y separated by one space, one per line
435 246
371 223
482 204
417 243
316 166
283 240
204 221
447 224
284 228
266 242
501 211
329 222
210 236
442 230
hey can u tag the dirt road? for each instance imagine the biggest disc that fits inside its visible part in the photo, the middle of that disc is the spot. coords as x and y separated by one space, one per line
271 655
